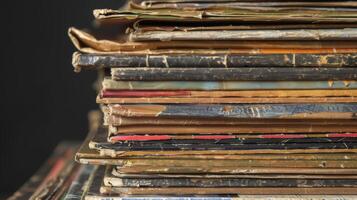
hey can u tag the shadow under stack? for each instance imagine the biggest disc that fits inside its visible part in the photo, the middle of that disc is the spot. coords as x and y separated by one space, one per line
223 99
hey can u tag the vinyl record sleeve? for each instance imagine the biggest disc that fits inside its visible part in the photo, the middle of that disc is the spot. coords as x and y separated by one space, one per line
222 191
233 93
181 26
248 35
99 142
116 120
235 170
124 138
226 100
87 43
59 178
115 174
255 111
229 129
240 191
111 181
79 185
48 172
133 15
95 192
109 84
295 163
251 73
221 97
221 5
210 60
86 155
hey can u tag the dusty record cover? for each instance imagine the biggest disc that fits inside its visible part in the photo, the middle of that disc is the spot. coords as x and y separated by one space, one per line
54 178
225 129
79 186
217 60
285 111
109 84
97 191
111 181
48 174
137 149
90 156
234 74
233 93
88 43
234 4
133 15
248 35
220 97
222 100
282 137
116 120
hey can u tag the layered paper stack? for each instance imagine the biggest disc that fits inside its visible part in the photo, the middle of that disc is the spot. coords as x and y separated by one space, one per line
54 179
204 99
60 177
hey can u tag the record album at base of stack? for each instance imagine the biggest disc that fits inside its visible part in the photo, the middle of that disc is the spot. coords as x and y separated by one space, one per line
233 99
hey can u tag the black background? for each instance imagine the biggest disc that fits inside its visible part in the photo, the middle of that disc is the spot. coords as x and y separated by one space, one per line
42 100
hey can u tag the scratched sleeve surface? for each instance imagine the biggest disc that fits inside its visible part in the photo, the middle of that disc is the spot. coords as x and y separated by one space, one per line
234 74
100 142
96 61
322 111
109 84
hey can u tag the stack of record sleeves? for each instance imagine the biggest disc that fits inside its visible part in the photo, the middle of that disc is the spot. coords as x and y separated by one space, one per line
54 180
230 99
213 98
